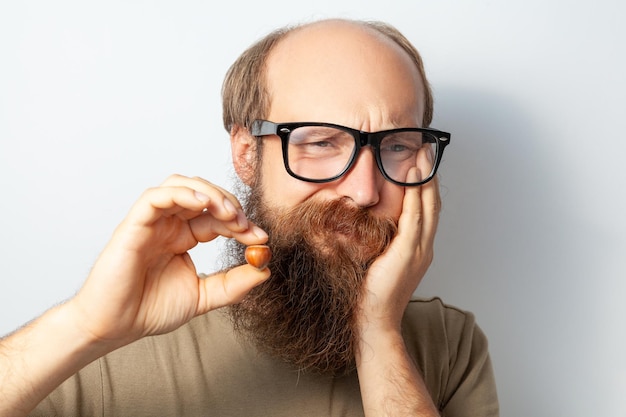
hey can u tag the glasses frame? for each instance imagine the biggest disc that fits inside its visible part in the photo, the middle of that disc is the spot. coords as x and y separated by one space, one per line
261 128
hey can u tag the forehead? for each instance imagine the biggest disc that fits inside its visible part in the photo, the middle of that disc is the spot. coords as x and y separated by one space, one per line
345 73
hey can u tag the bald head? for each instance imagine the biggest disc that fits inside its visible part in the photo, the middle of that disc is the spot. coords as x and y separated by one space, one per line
344 72
322 48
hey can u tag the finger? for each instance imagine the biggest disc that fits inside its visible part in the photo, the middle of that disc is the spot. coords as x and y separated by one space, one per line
226 206
410 221
230 287
431 208
166 201
430 198
188 198
206 227
200 184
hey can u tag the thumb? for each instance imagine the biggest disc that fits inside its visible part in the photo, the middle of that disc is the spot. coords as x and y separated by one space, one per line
229 287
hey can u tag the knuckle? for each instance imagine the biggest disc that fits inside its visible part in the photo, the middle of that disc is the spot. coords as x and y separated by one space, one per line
148 192
172 179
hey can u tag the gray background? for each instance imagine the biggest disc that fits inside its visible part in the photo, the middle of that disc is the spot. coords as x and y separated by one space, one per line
99 101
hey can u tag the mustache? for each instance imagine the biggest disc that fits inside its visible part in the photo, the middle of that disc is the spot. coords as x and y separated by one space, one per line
329 226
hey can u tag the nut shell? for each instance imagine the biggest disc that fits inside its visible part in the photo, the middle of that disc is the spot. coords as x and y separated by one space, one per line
258 256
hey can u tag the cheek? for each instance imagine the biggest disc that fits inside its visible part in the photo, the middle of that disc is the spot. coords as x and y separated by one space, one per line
279 188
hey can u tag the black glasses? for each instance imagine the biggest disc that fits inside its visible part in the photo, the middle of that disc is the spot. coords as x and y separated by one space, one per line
323 152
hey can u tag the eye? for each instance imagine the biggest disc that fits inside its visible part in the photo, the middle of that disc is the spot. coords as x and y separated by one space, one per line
400 146
401 142
320 143
396 147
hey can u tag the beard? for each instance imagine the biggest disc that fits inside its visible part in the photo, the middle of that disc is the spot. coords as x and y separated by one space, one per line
305 313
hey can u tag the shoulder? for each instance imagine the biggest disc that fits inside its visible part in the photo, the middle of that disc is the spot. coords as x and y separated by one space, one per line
435 306
435 313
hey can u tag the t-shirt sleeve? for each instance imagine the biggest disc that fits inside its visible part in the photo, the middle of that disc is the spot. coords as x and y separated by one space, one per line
452 354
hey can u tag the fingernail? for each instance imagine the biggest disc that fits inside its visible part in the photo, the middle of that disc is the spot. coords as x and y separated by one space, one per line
242 221
258 232
230 207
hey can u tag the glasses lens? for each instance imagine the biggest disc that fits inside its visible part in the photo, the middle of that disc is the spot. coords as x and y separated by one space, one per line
400 151
319 152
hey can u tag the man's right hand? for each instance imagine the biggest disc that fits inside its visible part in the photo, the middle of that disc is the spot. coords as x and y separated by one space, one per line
143 283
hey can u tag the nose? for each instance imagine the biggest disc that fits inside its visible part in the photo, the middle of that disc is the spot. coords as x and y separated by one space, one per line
363 182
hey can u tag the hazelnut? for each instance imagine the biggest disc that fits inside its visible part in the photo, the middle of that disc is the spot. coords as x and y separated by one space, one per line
258 256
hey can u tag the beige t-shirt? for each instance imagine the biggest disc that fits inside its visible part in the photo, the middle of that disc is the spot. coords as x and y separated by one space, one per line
204 369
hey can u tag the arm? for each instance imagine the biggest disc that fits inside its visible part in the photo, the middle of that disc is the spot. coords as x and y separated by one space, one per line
389 380
143 283
39 357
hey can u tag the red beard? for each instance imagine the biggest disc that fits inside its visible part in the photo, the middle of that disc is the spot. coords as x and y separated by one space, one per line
305 313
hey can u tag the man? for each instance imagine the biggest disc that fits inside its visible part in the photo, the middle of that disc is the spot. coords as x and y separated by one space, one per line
328 328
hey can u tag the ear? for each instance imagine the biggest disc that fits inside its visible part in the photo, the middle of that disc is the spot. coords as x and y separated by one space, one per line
244 153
